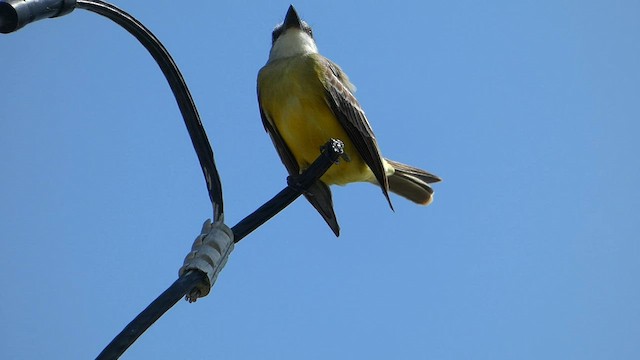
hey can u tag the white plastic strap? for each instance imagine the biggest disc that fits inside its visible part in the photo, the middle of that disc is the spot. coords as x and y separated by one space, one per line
209 253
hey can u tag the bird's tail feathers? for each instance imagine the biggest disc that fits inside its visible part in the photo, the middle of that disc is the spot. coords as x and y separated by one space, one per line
412 183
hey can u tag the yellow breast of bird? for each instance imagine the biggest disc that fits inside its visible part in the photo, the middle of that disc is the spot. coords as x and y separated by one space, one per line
292 95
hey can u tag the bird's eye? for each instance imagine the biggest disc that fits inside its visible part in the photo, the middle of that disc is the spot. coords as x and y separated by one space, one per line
275 34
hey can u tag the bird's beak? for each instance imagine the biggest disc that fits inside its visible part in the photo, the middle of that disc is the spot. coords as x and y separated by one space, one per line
292 20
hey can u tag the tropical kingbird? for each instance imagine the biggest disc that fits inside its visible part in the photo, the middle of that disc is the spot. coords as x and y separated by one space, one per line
305 100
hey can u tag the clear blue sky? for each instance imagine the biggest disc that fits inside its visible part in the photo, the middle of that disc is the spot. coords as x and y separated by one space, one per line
529 111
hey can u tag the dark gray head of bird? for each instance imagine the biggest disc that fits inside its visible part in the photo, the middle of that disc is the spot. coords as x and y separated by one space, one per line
291 21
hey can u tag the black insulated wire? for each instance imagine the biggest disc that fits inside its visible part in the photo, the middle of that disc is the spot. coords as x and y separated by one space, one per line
180 91
17 13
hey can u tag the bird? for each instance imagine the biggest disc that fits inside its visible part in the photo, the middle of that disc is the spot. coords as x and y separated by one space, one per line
305 100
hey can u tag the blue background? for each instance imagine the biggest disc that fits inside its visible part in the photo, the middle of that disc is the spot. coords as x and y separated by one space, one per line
528 110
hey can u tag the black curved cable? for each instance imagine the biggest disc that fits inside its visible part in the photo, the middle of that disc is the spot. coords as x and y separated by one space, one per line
180 91
15 14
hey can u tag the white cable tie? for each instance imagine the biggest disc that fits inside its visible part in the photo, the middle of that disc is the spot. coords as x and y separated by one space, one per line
209 254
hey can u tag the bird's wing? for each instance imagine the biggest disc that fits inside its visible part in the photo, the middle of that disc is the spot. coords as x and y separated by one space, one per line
319 194
352 118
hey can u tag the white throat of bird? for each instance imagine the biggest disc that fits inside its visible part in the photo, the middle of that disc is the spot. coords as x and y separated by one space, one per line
292 42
